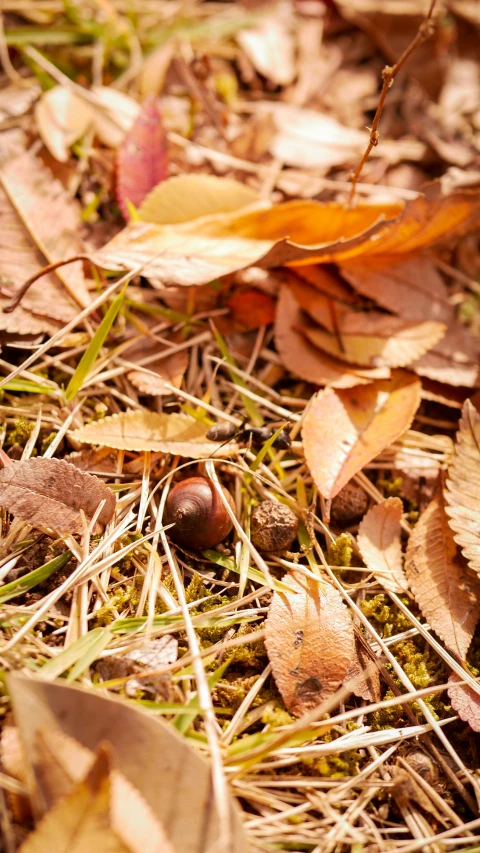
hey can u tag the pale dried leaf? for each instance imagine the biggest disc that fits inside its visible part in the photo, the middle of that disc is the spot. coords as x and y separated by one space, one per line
372 339
62 117
345 429
171 368
80 822
304 360
462 492
362 676
445 589
154 69
52 217
465 702
14 101
186 197
51 493
169 433
270 48
380 546
11 753
154 766
114 114
309 139
310 642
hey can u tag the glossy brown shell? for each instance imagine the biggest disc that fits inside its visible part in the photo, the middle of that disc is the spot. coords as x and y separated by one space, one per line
200 518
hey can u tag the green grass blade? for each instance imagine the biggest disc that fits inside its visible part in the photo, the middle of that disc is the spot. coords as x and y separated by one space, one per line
26 582
79 655
183 721
253 574
29 387
90 355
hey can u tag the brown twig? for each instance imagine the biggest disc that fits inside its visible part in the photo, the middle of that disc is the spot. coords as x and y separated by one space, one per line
33 278
389 73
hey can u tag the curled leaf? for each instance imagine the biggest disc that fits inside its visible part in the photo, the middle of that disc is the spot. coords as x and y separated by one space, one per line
462 493
380 546
445 589
169 433
362 676
310 642
142 157
62 117
52 493
343 430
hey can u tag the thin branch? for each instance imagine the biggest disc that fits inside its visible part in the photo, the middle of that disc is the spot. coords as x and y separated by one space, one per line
389 73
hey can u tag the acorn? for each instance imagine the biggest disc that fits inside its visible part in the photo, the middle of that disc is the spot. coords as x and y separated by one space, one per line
200 518
273 526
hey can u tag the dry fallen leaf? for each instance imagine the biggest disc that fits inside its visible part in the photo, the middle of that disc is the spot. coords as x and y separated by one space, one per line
52 217
188 197
270 48
344 430
61 118
142 157
445 589
80 822
306 361
362 676
170 369
380 546
169 433
113 115
156 771
465 702
372 339
51 493
249 309
310 642
463 486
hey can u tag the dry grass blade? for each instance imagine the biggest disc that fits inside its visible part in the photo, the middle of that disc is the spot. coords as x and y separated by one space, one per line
462 491
445 589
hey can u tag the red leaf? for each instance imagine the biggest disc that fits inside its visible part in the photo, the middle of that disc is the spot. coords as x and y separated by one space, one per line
249 309
142 157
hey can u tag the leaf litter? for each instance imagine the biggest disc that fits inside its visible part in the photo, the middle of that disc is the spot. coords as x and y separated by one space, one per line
278 697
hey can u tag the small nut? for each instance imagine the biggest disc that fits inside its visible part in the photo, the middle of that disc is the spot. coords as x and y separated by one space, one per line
273 526
349 506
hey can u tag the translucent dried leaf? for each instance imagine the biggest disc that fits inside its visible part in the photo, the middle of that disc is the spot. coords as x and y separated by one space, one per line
465 702
290 233
372 339
309 139
186 197
270 48
310 642
306 361
142 157
62 117
52 218
169 433
462 492
157 773
80 822
114 114
51 493
380 545
345 429
445 589
362 676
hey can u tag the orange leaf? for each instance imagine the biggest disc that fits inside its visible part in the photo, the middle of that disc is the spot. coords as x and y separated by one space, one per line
306 361
362 676
343 430
445 589
465 702
249 309
310 642
380 546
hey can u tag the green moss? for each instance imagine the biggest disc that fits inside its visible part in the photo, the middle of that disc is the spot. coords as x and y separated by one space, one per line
388 615
392 488
276 717
47 441
339 553
20 432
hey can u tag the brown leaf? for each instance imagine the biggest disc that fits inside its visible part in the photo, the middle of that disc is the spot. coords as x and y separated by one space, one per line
142 157
325 281
463 486
465 702
362 676
140 431
52 217
51 493
372 339
306 361
345 429
380 546
170 368
249 309
309 640
445 589
151 759
270 48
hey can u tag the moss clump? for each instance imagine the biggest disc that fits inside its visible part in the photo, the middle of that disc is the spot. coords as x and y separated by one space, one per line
125 596
339 553
276 717
388 615
391 488
20 432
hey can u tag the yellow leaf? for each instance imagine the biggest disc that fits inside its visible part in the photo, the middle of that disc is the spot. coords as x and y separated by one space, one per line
445 589
62 117
188 197
372 339
462 492
380 546
345 429
169 433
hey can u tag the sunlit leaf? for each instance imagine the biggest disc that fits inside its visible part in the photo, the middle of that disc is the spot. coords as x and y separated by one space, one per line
462 493
380 546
